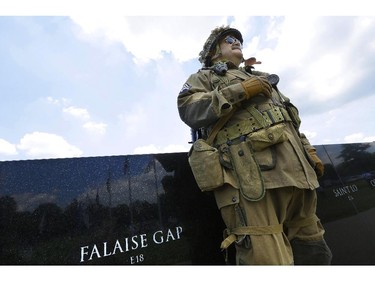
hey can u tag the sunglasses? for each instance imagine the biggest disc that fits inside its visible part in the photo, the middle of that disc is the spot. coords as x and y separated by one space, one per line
231 40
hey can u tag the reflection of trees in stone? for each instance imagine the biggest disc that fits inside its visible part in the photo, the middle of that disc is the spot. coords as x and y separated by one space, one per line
354 158
100 213
35 238
169 200
16 231
345 192
329 171
144 211
8 209
8 206
162 193
49 220
121 217
329 179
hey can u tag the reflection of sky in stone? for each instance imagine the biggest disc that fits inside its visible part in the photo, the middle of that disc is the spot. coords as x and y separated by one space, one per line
334 151
107 179
60 181
30 201
332 154
144 183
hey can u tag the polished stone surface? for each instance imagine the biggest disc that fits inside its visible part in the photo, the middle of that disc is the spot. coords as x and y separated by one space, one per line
147 209
141 209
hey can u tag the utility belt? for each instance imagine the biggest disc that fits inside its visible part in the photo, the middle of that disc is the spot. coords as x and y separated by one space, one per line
233 152
258 120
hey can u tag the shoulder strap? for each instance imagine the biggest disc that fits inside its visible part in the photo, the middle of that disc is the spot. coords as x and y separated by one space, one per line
219 124
283 97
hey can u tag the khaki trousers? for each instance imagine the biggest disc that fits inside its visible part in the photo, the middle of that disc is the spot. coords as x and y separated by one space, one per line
292 232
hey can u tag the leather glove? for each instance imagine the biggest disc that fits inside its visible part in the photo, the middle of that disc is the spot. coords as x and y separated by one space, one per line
257 85
319 167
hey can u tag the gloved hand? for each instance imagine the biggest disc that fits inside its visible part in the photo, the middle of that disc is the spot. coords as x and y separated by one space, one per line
257 85
319 167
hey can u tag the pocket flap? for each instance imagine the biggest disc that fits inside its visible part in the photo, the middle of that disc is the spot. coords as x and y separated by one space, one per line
227 195
201 145
269 136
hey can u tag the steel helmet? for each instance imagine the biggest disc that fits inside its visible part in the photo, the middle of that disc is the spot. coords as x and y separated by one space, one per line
216 34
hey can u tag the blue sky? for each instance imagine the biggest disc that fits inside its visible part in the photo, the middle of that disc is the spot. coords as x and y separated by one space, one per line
85 85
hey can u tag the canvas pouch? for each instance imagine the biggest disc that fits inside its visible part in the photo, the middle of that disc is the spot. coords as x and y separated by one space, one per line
247 171
204 161
260 140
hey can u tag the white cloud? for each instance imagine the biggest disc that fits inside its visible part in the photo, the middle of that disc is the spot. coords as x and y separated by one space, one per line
159 149
54 101
97 128
315 61
310 135
324 76
146 38
313 65
46 145
80 113
134 121
311 57
351 122
294 38
358 137
6 148
29 201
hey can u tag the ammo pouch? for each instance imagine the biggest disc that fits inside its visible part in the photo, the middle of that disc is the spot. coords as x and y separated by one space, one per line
260 140
204 159
205 164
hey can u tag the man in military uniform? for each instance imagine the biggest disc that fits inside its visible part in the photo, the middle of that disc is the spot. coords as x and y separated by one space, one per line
250 153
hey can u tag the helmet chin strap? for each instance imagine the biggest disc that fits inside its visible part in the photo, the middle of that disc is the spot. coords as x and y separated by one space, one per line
216 56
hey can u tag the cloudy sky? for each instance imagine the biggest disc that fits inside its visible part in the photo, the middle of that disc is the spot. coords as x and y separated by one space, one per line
85 85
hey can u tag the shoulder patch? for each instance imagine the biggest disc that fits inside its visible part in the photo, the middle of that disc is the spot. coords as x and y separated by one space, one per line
186 87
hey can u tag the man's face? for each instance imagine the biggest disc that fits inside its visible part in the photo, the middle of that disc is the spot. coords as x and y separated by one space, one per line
231 49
